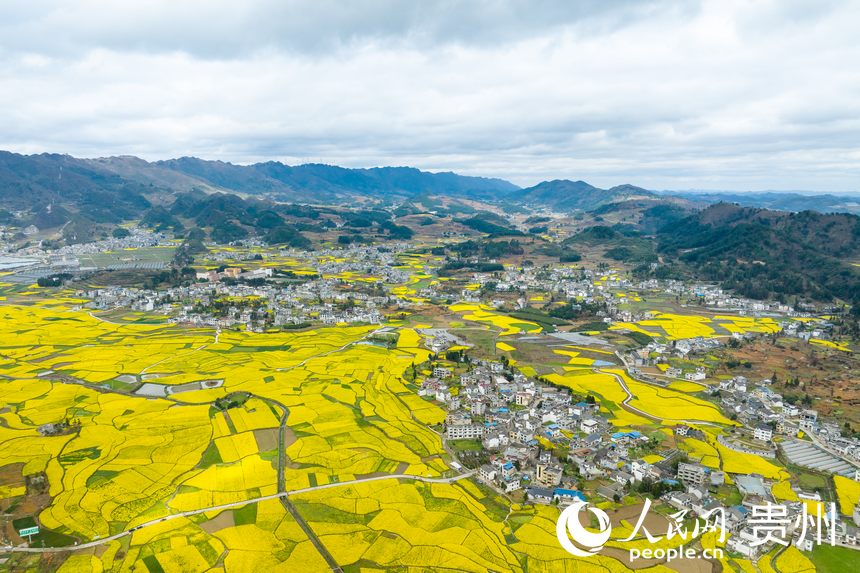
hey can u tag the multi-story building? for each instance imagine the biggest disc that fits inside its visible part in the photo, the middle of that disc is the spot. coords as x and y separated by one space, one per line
763 433
692 473
548 474
465 432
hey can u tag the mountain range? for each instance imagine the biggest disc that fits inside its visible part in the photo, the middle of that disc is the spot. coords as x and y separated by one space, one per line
116 188
64 176
762 253
566 195
778 200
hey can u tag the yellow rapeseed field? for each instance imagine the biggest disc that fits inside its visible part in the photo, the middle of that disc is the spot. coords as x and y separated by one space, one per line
485 314
848 492
681 326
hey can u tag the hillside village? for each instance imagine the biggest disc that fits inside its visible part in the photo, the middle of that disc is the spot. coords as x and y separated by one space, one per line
540 443
519 433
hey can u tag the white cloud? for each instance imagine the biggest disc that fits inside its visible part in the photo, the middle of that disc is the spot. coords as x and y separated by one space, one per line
670 95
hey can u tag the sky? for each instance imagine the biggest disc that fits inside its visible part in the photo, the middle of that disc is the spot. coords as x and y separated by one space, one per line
723 94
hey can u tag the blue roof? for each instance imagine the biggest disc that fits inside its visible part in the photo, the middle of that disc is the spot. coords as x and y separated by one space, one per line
552 426
501 410
582 404
561 492
508 465
633 434
671 481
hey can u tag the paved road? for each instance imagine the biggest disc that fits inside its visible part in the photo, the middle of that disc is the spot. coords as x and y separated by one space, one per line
103 540
657 383
317 542
626 403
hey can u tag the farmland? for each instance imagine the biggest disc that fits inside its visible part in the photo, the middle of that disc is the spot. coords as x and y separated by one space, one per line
347 417
681 326
162 443
128 460
483 314
373 287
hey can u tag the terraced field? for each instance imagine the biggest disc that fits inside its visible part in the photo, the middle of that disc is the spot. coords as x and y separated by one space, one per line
121 460
680 326
348 414
191 478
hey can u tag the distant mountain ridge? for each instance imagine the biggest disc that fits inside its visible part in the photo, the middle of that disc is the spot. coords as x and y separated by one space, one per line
21 175
778 200
314 181
49 184
115 188
566 195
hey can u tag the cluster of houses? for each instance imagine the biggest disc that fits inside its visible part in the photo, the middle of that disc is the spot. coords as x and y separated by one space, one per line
759 521
590 285
317 301
82 257
214 276
518 421
138 237
523 424
764 413
321 298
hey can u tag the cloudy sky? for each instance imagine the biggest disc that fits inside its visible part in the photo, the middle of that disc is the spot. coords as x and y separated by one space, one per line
668 95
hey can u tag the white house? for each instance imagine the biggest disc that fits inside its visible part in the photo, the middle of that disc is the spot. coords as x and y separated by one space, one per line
589 426
763 433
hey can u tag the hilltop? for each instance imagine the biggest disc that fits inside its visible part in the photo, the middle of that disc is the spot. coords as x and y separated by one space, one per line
762 253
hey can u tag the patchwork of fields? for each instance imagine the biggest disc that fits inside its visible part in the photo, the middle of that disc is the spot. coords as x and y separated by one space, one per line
348 413
680 326
324 413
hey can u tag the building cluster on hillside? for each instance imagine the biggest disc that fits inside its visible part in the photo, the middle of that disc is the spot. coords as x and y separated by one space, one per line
255 307
519 421
760 521
765 413
523 424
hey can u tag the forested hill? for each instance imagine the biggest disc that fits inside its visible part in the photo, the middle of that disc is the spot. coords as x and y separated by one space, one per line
761 253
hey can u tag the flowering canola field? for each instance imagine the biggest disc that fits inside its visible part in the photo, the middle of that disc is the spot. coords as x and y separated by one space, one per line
681 326
319 407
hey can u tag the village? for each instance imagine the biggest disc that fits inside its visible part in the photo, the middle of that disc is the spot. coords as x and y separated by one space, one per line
523 437
543 444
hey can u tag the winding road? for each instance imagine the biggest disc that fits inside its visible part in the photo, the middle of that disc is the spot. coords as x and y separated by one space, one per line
630 396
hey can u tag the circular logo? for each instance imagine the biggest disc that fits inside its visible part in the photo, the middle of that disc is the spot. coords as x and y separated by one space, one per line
568 526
